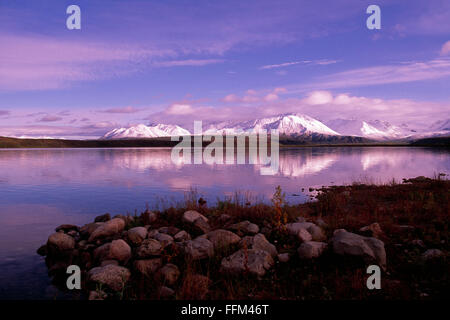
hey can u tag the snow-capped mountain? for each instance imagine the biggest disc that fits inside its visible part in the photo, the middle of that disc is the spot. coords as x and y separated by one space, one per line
143 131
287 124
375 129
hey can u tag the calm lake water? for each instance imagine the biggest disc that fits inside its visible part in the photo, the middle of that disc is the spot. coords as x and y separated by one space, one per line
43 188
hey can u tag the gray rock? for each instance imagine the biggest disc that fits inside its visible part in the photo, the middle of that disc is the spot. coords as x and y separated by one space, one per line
110 228
107 262
191 215
182 236
120 251
311 249
166 293
259 242
372 230
67 227
103 218
245 227
149 248
199 248
164 239
137 235
148 267
369 249
256 262
169 274
200 226
114 277
60 242
316 232
283 257
432 254
222 238
97 295
89 228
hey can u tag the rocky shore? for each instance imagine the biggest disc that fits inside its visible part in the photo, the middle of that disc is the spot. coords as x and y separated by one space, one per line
245 251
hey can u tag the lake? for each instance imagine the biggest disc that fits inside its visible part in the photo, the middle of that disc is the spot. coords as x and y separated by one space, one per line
43 188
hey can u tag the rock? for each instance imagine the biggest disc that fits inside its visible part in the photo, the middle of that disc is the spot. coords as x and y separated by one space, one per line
148 267
114 277
369 249
148 248
169 274
321 223
196 286
418 243
245 227
152 233
108 262
191 215
283 257
303 235
316 232
97 295
372 230
137 235
148 217
108 229
222 238
200 226
120 251
67 227
182 236
311 249
164 239
432 254
259 242
166 293
89 228
101 253
169 230
199 248
42 251
103 218
254 261
224 218
300 219
60 242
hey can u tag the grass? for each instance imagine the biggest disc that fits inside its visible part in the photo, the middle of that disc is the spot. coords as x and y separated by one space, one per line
406 211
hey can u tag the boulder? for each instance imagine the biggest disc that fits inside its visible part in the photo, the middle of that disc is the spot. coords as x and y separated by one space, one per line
60 242
148 217
199 248
103 218
148 267
114 277
372 230
245 227
351 244
200 226
169 274
166 293
164 239
169 230
311 249
107 262
110 228
120 251
137 235
254 261
89 228
191 215
315 231
222 238
149 248
196 286
283 257
259 242
97 295
432 254
66 228
182 236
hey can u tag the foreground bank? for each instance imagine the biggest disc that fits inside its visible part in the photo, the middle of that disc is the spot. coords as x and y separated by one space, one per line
241 250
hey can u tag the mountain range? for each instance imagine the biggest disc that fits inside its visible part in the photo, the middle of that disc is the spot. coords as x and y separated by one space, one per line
293 126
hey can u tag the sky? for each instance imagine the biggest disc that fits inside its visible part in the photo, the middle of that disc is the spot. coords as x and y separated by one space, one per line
177 61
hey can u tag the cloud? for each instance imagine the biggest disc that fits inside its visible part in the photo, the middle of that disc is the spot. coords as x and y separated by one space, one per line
179 109
189 62
379 75
319 97
445 50
50 118
4 112
253 96
123 110
304 62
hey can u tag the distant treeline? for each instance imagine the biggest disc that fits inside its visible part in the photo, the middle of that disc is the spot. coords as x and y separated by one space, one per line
312 140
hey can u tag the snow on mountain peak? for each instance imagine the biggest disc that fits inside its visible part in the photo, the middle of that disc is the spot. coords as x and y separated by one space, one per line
143 131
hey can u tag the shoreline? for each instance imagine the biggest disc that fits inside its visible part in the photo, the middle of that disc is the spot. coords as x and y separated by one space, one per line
236 250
